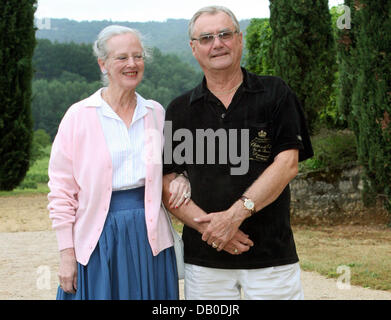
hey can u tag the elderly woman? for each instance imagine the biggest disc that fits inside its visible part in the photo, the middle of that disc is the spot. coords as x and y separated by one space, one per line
105 184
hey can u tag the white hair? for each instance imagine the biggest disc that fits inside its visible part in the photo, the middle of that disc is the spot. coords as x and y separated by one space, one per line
212 10
100 45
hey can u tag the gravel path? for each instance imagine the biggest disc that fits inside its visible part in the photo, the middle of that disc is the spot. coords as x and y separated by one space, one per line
29 265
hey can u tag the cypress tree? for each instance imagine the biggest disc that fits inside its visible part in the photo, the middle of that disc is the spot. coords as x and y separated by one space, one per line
371 95
346 45
17 42
303 51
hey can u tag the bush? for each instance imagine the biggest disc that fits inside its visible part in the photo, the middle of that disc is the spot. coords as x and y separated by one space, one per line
28 184
40 142
42 138
37 176
332 150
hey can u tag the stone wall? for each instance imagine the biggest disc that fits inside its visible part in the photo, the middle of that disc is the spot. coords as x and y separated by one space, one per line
333 197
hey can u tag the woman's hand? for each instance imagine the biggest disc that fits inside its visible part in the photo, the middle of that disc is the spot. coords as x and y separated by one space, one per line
67 273
180 191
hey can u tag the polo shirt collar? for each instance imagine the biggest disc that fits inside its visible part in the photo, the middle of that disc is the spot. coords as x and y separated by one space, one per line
199 92
251 83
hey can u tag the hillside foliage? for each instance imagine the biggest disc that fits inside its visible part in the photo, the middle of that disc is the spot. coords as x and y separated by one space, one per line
68 72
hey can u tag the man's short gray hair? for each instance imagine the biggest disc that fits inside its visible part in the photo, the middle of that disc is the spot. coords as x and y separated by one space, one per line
212 10
100 45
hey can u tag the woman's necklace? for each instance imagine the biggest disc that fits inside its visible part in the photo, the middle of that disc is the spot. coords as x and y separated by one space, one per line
106 98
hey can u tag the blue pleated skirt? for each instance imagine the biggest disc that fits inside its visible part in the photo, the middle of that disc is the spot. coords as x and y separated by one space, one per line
122 266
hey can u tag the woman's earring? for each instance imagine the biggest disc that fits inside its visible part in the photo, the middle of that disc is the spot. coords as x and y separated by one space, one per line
104 71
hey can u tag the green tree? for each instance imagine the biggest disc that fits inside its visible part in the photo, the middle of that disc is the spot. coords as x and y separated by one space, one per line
346 49
17 42
52 60
258 44
165 77
52 98
303 51
371 95
332 116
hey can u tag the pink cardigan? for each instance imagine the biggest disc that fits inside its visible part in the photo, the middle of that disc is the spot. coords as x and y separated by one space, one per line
80 179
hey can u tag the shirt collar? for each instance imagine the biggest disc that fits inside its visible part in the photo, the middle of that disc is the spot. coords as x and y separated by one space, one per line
96 101
251 83
141 108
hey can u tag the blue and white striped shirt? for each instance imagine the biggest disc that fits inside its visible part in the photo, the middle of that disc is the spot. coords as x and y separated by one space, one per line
126 146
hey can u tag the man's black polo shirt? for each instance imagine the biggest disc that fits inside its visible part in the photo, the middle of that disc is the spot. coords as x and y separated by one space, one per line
275 122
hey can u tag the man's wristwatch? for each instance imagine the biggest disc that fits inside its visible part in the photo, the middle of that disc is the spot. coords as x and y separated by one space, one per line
248 204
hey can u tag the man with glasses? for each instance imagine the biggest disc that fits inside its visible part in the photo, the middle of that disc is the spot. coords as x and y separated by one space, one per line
237 231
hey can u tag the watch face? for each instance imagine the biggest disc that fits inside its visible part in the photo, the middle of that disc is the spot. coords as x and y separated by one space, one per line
249 204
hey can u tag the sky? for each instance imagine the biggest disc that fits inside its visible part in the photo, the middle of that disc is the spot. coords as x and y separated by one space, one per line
147 10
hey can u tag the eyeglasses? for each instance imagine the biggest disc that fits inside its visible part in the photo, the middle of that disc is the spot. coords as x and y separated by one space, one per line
208 39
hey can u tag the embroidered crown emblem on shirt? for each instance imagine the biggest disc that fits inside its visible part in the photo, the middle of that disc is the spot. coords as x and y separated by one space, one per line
262 134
